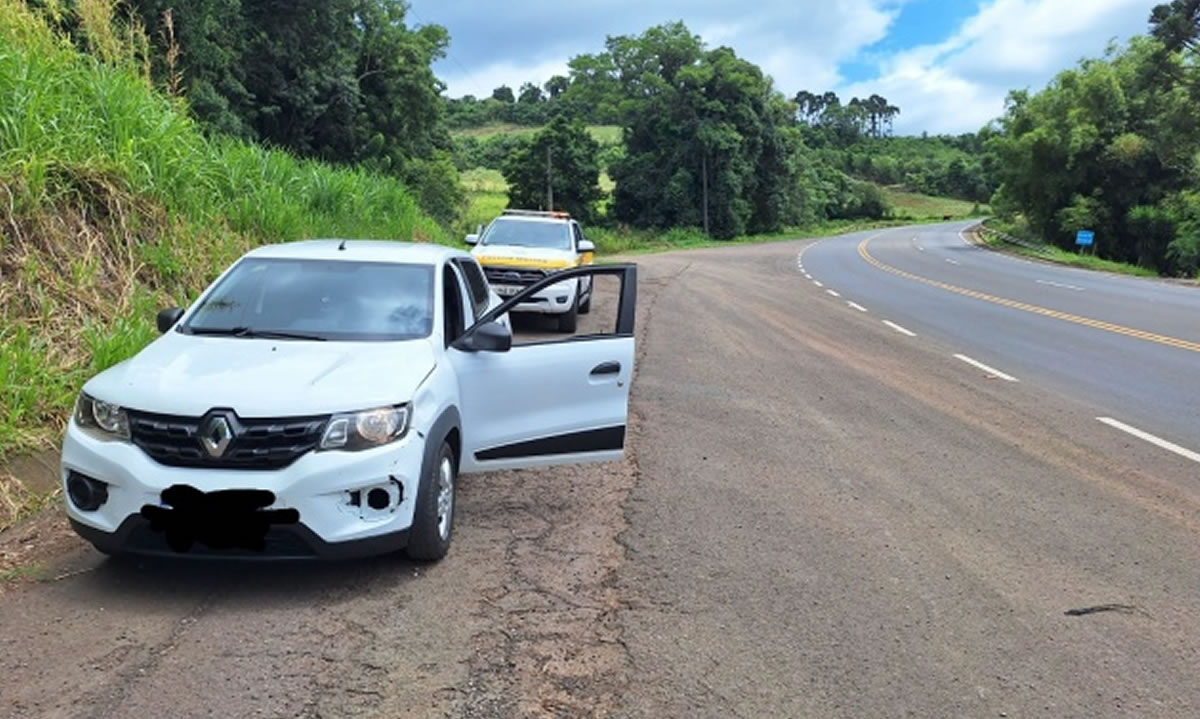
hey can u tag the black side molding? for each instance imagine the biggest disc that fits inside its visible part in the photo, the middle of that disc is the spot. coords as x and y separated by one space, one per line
592 440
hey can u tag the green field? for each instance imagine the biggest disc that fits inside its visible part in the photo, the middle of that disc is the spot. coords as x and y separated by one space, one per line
918 207
604 134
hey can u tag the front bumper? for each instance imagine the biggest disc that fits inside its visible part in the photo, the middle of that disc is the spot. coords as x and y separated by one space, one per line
297 541
554 300
317 490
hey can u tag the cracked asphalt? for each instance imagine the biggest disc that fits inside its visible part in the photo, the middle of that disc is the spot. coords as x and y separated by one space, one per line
818 517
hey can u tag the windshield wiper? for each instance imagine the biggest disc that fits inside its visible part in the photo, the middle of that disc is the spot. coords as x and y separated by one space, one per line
251 332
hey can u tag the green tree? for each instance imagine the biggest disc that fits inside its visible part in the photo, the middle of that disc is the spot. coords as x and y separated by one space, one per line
566 154
556 86
1110 146
504 94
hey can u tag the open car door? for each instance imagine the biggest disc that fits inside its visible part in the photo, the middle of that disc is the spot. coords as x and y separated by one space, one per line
553 399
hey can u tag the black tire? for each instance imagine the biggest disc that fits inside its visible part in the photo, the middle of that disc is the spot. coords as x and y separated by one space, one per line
586 306
426 542
569 320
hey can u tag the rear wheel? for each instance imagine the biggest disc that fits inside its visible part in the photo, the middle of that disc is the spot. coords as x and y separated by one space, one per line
433 524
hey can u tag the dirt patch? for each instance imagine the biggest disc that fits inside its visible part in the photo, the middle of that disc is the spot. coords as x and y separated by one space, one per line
42 548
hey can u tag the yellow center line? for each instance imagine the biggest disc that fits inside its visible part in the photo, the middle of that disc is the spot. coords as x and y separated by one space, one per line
1026 307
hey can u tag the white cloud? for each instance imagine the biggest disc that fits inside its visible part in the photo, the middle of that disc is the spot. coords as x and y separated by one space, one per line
800 44
960 84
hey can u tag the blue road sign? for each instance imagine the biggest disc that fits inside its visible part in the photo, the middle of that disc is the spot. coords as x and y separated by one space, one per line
1084 237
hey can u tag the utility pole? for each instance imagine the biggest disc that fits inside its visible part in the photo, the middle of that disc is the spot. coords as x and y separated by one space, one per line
704 183
549 181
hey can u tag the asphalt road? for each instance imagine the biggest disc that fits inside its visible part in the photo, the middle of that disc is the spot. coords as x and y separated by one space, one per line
821 516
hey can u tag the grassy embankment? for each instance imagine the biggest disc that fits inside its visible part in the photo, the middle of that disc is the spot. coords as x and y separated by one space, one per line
113 204
1049 253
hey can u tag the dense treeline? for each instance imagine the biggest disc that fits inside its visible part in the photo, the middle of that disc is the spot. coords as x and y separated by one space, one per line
707 141
1113 146
342 81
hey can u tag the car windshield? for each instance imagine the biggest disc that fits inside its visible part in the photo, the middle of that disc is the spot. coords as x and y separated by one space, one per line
319 299
528 233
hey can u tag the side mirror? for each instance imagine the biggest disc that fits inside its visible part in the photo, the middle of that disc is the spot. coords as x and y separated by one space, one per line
472 239
168 317
489 337
587 246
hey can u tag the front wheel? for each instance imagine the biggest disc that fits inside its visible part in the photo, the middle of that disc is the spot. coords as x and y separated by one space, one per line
586 306
569 320
433 523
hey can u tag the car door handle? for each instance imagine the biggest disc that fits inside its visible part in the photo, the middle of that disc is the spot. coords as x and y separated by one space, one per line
606 368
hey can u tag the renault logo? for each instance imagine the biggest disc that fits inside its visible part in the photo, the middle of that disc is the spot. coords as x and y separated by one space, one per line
215 436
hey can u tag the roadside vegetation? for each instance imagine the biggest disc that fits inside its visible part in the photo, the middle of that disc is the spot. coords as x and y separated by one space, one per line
114 203
1112 146
1014 236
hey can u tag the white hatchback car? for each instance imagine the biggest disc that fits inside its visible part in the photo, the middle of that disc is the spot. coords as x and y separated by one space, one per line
320 398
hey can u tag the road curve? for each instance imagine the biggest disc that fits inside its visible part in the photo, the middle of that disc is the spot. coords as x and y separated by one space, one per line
1128 346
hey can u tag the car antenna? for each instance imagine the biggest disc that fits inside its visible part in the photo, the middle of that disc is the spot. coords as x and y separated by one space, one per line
342 246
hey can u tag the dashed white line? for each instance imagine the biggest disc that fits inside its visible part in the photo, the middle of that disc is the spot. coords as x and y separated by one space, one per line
856 306
818 283
990 370
1059 284
899 329
807 276
1157 441
831 292
953 262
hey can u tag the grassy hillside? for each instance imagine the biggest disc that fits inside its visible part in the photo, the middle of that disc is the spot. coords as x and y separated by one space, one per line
923 207
604 134
113 204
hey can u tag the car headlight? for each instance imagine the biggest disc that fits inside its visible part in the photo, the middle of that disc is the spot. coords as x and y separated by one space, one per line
363 430
105 419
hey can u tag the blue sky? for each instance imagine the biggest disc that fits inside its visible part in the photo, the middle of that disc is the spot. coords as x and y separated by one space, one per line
948 64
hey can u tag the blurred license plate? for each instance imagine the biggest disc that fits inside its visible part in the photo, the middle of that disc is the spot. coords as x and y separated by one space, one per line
506 290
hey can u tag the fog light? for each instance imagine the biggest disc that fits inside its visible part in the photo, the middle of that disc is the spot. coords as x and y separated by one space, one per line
86 494
378 498
561 300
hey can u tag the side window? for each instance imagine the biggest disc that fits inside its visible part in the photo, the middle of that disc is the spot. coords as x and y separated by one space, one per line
476 285
578 235
453 315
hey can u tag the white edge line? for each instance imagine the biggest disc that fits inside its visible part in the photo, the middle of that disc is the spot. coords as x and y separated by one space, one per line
818 283
990 370
899 329
831 292
953 262
1157 441
856 306
1059 284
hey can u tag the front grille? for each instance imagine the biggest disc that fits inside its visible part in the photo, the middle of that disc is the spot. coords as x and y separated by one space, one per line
513 275
255 443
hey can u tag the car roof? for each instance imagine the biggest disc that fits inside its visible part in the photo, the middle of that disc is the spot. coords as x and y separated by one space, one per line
360 251
532 218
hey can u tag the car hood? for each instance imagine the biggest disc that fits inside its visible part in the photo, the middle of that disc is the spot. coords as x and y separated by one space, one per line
189 375
532 257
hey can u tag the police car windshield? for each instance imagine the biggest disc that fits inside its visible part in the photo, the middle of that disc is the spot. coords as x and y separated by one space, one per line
528 233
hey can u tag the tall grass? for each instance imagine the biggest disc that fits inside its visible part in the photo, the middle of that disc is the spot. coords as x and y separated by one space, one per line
113 203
